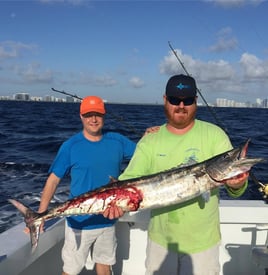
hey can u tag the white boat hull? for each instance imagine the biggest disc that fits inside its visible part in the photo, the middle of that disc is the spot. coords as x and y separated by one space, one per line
239 227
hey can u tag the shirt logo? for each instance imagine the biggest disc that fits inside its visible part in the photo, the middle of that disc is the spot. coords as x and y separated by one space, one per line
182 86
161 155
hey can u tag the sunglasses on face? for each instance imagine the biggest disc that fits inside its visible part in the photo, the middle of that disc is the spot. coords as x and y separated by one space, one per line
187 101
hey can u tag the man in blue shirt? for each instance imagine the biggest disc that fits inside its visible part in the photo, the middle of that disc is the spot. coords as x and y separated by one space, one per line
90 157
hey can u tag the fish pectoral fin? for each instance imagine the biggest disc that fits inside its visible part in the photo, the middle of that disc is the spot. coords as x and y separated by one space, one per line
206 196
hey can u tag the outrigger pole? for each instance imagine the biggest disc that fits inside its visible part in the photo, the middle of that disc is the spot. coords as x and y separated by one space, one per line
199 92
263 187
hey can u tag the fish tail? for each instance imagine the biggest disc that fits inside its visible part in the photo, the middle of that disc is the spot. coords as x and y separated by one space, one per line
30 218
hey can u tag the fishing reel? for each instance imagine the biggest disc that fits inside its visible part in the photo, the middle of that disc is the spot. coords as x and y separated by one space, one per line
263 186
263 189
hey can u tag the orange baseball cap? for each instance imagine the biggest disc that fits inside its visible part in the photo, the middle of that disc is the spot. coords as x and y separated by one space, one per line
92 104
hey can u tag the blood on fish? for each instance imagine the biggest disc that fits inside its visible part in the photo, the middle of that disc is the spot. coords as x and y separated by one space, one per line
130 193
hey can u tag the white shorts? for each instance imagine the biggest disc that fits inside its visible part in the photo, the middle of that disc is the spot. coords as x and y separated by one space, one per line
82 245
161 261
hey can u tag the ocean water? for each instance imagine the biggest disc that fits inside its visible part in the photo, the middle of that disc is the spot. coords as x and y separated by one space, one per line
31 133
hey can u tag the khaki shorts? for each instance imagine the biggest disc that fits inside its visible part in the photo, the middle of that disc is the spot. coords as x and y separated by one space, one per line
160 261
80 246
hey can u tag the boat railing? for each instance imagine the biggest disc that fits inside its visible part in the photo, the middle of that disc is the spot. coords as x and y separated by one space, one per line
260 253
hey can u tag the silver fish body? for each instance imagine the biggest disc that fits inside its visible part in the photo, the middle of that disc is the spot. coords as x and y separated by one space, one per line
165 188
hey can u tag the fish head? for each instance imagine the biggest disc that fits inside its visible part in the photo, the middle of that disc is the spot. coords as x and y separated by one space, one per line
230 164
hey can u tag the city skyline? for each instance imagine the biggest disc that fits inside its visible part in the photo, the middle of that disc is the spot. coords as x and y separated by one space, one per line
220 102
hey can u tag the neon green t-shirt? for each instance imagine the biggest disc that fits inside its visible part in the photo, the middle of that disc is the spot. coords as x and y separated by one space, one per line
192 226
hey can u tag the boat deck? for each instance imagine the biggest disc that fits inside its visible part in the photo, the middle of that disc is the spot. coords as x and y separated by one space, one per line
240 227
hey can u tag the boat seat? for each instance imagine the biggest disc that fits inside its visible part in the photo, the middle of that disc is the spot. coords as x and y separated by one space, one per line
260 253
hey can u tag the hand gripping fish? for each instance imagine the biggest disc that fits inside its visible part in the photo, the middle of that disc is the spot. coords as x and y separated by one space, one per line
165 188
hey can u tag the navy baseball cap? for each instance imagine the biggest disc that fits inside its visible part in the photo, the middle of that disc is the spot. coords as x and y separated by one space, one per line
181 86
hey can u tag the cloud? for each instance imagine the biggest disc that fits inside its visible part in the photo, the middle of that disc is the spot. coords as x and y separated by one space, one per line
136 82
221 77
12 49
70 2
83 78
235 3
32 74
104 80
204 71
225 42
253 68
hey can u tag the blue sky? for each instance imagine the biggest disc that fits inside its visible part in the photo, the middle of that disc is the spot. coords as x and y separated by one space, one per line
119 49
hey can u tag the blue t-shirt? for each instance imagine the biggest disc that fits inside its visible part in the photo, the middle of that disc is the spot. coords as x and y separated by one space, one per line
90 165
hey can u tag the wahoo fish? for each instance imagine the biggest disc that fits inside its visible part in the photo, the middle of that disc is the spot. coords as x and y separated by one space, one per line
168 187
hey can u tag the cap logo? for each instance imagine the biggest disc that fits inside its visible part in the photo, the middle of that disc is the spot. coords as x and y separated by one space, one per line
182 86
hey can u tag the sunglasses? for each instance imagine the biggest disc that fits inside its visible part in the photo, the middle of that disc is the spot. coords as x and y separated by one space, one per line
187 101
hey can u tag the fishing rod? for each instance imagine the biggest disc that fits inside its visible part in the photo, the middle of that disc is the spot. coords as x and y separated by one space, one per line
119 119
263 187
68 94
198 90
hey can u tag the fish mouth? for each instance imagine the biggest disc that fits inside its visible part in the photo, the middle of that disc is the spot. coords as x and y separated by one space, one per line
238 176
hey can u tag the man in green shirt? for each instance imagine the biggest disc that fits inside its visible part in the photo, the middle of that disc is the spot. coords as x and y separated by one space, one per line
187 234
